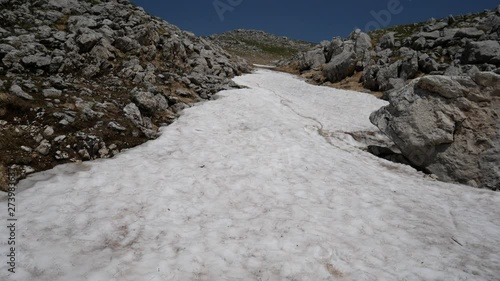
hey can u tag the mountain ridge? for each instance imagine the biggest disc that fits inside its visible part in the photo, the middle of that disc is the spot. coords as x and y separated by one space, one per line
258 46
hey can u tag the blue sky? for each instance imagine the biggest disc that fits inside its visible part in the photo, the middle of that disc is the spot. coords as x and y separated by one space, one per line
312 20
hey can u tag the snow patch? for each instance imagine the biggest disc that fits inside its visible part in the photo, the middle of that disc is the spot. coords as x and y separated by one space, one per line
247 187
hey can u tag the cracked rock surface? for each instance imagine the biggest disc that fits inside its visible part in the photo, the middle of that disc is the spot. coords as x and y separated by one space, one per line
449 126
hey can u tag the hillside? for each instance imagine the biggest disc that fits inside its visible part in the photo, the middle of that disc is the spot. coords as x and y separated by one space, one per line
385 59
81 80
259 47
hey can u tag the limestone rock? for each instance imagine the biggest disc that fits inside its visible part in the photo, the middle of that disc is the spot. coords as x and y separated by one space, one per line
362 42
436 26
442 126
482 52
18 91
312 59
387 40
340 67
442 85
48 132
36 60
149 102
87 39
385 74
469 32
51 93
419 44
116 126
44 147
427 64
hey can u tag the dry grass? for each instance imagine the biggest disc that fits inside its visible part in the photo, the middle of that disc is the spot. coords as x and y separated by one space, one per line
291 68
62 23
316 78
353 84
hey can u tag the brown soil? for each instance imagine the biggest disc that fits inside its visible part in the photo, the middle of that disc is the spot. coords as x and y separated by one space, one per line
27 119
316 78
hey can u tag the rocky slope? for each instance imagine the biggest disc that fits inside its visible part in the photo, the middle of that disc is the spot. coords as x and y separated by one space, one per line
81 80
389 57
258 46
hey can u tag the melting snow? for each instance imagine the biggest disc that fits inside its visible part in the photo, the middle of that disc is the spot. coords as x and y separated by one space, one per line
252 186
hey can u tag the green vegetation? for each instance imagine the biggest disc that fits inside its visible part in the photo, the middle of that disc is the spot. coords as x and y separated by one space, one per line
406 30
401 31
260 47
271 49
61 23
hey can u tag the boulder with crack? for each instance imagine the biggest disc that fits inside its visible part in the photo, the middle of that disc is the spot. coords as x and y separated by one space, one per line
448 126
340 67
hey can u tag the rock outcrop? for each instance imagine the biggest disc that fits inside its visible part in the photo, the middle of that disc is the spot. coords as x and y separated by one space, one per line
103 75
448 126
336 59
482 52
340 66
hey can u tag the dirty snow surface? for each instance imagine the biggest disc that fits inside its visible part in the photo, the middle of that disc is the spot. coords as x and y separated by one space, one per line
256 185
